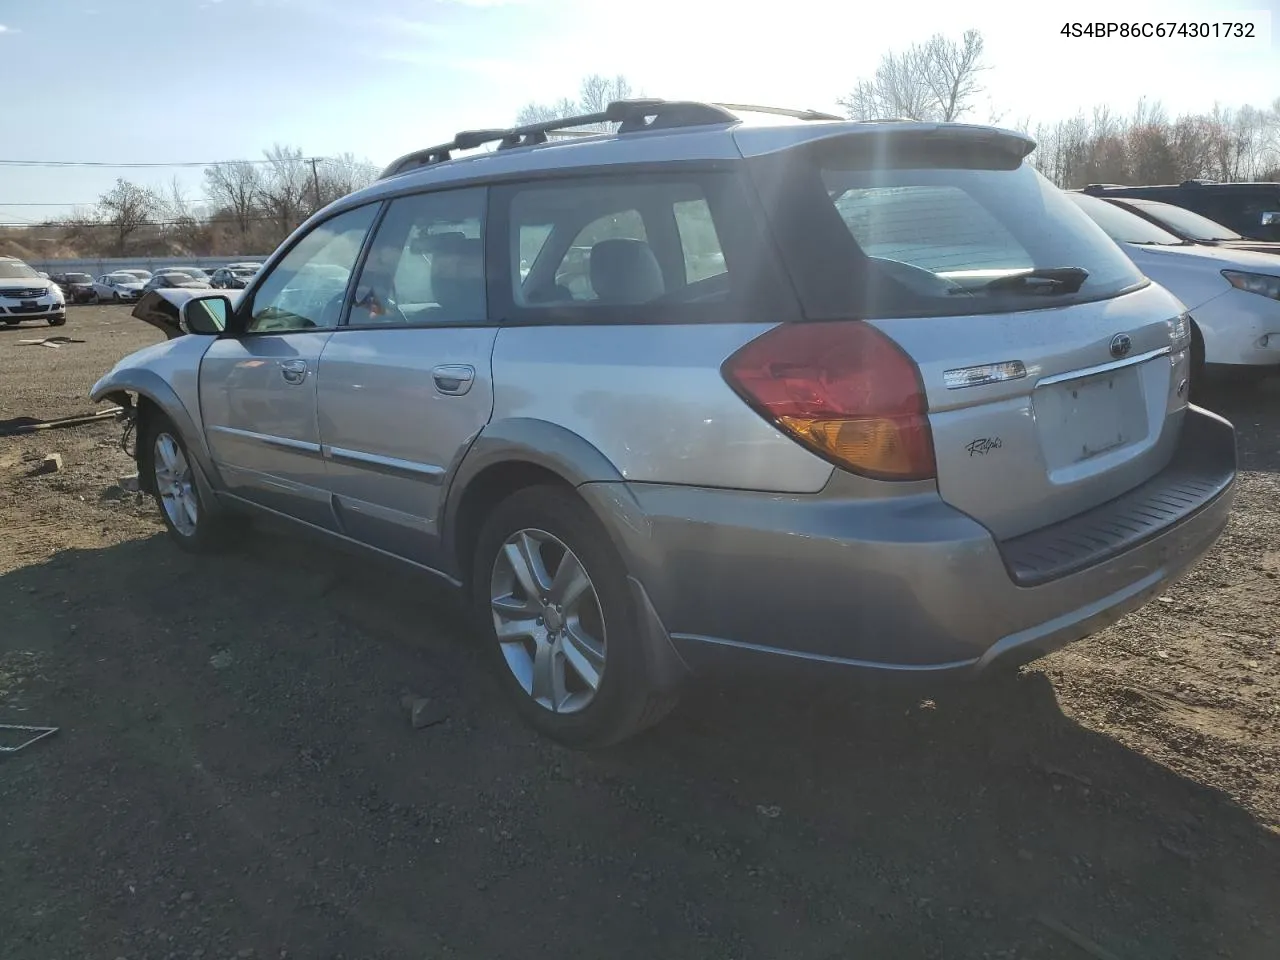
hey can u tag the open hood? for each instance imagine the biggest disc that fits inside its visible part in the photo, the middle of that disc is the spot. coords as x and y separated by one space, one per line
160 308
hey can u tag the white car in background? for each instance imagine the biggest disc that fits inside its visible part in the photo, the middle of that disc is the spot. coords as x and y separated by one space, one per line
117 287
26 294
1233 296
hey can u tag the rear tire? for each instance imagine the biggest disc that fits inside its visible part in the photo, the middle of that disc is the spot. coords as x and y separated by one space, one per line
591 621
163 455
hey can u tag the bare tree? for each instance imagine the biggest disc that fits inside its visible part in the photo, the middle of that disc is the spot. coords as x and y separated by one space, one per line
235 188
125 208
595 93
936 80
344 174
187 231
286 190
543 112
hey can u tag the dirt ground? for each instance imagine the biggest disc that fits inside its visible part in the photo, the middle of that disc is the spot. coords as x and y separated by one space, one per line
235 775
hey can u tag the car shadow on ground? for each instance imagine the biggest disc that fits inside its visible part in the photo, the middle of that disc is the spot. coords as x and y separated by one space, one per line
235 772
1251 408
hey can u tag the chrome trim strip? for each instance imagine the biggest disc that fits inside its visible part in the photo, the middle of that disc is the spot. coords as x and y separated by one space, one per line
1104 367
284 443
390 465
826 657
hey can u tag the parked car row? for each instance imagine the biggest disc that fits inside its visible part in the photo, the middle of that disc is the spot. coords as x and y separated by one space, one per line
126 285
852 396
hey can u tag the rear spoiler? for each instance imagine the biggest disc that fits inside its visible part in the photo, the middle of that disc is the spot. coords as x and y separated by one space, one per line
754 142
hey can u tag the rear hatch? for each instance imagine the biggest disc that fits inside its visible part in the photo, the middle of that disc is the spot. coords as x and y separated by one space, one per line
1053 371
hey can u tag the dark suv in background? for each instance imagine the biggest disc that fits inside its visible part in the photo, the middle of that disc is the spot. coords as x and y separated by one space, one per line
76 287
1250 209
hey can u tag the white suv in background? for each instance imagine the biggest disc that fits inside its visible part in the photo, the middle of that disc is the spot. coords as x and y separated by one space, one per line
25 294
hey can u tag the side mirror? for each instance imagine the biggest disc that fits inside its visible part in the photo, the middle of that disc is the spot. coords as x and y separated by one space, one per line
205 316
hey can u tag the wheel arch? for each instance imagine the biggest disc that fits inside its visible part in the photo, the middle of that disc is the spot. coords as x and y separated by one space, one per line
511 454
156 397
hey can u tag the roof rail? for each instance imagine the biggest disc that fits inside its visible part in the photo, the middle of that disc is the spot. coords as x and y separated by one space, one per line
780 111
889 120
1099 187
1196 182
630 115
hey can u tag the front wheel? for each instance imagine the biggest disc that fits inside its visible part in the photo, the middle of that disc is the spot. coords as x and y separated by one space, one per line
115 298
186 516
553 607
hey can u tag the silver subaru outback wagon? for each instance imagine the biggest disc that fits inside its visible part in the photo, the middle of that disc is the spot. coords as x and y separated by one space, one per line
703 389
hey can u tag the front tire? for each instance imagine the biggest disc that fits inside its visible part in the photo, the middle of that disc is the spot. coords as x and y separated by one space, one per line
115 298
189 522
552 604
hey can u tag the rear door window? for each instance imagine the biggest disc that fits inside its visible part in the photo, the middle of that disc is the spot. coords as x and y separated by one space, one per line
636 248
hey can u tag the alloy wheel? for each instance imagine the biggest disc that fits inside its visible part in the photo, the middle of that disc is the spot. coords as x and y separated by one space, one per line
175 484
546 615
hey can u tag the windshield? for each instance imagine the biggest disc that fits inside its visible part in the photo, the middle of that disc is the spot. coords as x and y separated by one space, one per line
79 278
122 278
17 270
243 272
942 240
1184 221
1123 226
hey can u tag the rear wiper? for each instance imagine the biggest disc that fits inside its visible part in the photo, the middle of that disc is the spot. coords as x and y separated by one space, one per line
1042 280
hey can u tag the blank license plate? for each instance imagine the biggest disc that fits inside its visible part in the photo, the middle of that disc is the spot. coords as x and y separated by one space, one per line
1086 418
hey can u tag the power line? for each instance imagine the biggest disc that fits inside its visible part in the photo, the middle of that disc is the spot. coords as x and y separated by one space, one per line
78 203
174 163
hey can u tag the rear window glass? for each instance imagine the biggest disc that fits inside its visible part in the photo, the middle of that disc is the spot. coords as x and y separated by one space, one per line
938 232
1123 226
1190 224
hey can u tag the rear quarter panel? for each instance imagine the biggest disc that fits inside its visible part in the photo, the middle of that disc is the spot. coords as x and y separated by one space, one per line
651 399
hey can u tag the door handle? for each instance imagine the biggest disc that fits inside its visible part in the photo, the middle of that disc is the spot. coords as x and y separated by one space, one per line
454 379
293 371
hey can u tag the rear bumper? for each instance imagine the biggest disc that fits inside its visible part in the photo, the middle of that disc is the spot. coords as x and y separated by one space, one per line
908 583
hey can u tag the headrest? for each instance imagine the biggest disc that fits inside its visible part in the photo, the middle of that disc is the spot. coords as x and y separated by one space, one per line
625 271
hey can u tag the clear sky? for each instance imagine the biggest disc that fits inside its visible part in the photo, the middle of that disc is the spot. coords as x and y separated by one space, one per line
203 80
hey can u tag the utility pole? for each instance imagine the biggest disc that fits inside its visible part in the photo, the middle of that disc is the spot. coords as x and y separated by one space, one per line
315 181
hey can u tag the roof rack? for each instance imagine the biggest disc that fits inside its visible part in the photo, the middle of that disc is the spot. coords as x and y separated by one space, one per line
780 111
630 115
1196 182
1099 187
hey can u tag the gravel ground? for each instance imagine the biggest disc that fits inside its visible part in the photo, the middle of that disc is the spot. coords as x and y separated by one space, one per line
235 775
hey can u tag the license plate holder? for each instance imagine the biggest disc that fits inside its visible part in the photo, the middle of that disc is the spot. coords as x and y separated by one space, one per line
1092 416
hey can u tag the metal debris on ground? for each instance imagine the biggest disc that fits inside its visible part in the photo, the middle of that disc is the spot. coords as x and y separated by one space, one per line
32 734
54 342
19 425
423 711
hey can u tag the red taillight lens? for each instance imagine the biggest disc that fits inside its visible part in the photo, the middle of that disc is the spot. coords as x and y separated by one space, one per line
844 390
